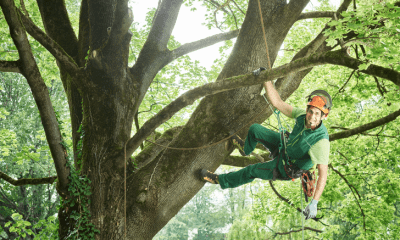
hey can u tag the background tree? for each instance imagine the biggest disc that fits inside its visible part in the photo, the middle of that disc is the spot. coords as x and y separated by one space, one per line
105 94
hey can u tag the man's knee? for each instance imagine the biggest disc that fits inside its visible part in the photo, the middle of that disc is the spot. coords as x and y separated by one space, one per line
255 128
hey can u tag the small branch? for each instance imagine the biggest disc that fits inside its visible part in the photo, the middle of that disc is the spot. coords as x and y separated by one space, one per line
5 197
193 46
316 14
237 6
233 14
218 6
9 66
341 89
352 188
378 85
27 181
365 127
290 204
293 231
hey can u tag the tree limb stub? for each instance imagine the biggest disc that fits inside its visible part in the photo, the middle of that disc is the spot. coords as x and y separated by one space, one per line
193 46
317 14
39 90
9 66
365 127
190 96
27 181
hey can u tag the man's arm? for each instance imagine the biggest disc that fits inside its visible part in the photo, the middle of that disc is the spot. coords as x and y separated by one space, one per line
322 176
276 100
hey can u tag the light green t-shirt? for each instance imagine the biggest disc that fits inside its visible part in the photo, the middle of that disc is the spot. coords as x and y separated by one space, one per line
319 152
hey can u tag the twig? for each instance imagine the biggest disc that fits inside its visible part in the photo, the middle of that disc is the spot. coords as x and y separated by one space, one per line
351 188
233 16
238 7
341 89
293 231
288 202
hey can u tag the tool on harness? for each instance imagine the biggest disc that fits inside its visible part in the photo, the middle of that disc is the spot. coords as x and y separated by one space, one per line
308 184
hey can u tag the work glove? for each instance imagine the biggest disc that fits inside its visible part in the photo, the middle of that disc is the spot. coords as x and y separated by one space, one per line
257 71
311 210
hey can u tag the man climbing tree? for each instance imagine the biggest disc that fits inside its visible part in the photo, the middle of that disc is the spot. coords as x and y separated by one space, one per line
307 145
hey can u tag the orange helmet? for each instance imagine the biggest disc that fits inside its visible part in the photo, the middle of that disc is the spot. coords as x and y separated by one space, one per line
321 100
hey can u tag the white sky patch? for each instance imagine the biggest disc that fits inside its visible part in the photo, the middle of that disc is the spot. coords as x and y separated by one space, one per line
189 27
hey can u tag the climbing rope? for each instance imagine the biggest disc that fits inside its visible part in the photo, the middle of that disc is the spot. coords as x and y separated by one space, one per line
125 188
276 112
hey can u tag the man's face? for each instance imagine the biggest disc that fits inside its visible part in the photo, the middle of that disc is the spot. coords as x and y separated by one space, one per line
313 117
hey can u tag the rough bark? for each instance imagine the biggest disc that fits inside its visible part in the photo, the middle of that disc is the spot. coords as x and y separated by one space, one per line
9 66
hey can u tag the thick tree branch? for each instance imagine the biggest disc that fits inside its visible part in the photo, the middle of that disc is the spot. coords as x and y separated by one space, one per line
365 134
124 19
343 59
27 181
294 4
39 90
239 161
352 188
365 127
193 46
9 66
58 26
66 61
163 25
317 14
189 97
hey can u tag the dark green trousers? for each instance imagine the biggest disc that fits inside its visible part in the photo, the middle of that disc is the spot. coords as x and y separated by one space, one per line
256 134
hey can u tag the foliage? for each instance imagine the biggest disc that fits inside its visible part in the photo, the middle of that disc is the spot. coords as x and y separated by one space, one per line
24 152
377 28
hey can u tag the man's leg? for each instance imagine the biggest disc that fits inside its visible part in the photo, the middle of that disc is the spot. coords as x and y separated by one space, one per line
247 174
260 134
